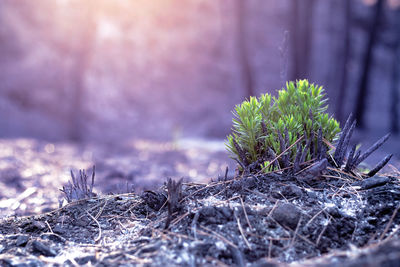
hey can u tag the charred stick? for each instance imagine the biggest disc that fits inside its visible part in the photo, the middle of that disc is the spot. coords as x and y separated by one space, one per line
319 144
374 147
350 159
93 174
242 155
174 194
354 160
346 142
264 128
287 144
304 153
296 164
380 165
283 148
339 146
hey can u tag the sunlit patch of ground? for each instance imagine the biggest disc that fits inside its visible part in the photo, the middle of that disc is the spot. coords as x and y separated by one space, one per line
32 171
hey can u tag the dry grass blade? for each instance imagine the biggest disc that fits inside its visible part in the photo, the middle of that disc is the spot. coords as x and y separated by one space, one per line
345 173
216 235
98 225
296 231
194 223
241 229
323 231
316 215
389 223
245 214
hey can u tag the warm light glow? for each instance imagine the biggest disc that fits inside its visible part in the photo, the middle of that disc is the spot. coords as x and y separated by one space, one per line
369 2
394 3
391 3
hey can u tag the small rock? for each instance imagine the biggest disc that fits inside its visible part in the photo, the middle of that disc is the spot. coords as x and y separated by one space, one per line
37 225
291 191
208 215
208 211
312 195
22 240
225 211
315 171
287 215
43 249
58 229
86 260
237 185
53 237
237 256
334 211
250 182
372 220
213 215
154 200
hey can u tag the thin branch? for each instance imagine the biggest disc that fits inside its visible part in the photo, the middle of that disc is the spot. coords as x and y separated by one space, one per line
374 147
380 165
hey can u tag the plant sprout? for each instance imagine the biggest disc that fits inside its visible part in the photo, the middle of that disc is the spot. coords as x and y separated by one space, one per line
295 121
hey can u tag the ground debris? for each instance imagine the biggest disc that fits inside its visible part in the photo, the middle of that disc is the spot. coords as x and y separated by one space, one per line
265 219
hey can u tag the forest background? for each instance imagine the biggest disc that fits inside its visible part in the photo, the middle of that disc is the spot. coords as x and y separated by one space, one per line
100 70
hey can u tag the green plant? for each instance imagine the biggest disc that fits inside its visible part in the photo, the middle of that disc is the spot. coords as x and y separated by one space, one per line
291 126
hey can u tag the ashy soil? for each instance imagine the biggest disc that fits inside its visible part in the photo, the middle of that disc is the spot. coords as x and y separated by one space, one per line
256 220
33 171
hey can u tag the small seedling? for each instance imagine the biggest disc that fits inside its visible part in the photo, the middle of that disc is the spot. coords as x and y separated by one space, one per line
292 123
174 196
285 132
79 188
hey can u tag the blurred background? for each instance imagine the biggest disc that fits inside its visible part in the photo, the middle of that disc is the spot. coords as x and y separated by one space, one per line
106 72
101 69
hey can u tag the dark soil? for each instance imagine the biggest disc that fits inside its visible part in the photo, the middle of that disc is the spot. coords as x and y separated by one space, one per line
259 220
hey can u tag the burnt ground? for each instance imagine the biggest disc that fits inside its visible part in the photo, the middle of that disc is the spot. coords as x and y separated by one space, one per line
259 220
32 171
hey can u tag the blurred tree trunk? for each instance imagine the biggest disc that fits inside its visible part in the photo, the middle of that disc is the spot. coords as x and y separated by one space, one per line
283 49
394 99
245 68
346 53
81 54
302 23
367 64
